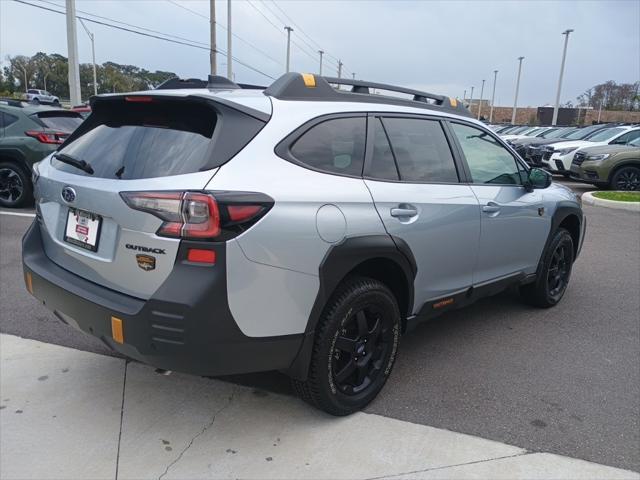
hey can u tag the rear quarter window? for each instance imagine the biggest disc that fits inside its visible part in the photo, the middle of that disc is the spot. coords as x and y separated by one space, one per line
334 145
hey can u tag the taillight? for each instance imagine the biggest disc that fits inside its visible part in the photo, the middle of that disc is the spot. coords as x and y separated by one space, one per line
198 215
138 99
47 136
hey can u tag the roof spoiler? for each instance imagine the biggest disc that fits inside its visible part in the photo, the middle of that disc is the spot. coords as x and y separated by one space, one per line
214 82
306 86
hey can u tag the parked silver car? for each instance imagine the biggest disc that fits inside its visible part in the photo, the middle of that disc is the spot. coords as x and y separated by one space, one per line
41 96
220 230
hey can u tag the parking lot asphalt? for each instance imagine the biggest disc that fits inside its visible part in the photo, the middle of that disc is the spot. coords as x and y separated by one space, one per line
564 380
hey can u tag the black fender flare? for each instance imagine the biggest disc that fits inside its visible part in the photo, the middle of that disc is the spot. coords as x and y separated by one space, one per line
15 155
563 210
341 259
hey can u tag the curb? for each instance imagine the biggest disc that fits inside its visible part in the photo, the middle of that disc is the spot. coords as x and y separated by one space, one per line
589 199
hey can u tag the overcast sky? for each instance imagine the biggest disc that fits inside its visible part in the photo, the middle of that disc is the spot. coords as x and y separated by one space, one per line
444 47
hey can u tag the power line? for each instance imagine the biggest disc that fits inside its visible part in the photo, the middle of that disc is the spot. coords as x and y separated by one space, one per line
193 43
225 28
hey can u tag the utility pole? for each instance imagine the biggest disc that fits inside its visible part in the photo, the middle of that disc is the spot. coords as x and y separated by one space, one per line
339 69
493 96
93 57
289 30
564 56
72 53
471 99
599 111
353 75
229 55
464 95
480 103
515 100
321 52
212 31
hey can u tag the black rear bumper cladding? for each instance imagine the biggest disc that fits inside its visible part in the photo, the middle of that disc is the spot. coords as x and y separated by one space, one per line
185 326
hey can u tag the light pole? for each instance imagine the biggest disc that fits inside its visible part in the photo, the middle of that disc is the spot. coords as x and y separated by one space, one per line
289 30
564 56
93 56
340 68
212 33
515 100
321 52
471 98
480 102
353 75
493 95
229 54
72 48
464 95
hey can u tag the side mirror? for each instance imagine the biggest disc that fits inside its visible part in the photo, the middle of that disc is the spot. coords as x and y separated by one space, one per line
538 178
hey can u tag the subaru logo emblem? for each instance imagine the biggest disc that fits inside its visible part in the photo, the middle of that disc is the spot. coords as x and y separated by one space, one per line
68 194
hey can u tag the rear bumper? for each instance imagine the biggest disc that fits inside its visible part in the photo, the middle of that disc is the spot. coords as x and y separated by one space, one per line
185 326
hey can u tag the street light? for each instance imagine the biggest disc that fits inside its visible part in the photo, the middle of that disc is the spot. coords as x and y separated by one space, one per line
493 96
471 99
289 30
564 56
93 56
321 52
480 103
515 100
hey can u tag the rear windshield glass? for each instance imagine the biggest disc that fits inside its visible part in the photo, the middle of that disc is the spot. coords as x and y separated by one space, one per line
61 121
144 140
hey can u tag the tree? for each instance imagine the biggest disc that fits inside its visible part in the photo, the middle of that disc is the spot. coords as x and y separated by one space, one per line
612 96
23 69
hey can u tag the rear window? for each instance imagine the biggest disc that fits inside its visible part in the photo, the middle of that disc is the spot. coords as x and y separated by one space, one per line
144 140
61 121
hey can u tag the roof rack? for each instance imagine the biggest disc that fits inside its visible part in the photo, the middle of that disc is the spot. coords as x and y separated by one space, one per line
296 86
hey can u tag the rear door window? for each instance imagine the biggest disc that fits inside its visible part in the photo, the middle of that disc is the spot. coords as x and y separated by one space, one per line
383 165
421 150
335 146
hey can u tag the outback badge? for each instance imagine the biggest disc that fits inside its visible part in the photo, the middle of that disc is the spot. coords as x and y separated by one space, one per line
146 262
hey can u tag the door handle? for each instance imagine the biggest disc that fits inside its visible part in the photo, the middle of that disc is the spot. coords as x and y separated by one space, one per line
491 207
404 210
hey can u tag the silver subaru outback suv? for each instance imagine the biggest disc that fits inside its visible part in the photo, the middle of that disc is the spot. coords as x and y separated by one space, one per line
215 229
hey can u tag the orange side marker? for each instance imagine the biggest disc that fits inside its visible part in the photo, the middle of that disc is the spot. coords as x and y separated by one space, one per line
116 330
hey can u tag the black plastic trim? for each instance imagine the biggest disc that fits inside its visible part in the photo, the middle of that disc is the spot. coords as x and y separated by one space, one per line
185 326
341 259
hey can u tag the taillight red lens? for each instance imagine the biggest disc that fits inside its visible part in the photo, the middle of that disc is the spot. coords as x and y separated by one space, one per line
138 98
201 216
47 137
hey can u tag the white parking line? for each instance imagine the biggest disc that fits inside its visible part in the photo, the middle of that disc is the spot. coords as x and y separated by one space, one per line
18 214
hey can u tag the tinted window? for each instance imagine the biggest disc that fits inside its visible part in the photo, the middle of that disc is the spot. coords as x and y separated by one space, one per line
7 119
383 165
33 91
627 137
488 160
335 145
144 140
605 135
61 121
421 150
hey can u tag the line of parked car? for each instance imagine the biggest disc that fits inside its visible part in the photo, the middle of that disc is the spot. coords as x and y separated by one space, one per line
605 155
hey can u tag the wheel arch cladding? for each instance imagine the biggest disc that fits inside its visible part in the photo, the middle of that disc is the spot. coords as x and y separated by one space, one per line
569 216
572 224
383 257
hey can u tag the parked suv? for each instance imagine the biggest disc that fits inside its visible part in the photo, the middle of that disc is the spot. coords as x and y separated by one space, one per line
41 96
28 134
610 166
299 228
557 157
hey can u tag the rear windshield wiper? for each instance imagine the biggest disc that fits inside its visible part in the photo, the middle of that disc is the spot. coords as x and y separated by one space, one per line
74 162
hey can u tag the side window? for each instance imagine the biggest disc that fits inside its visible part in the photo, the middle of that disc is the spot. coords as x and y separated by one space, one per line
488 160
627 137
421 150
383 165
335 146
8 119
32 91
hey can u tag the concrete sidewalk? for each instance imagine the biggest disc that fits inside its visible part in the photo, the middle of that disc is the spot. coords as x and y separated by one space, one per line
70 414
